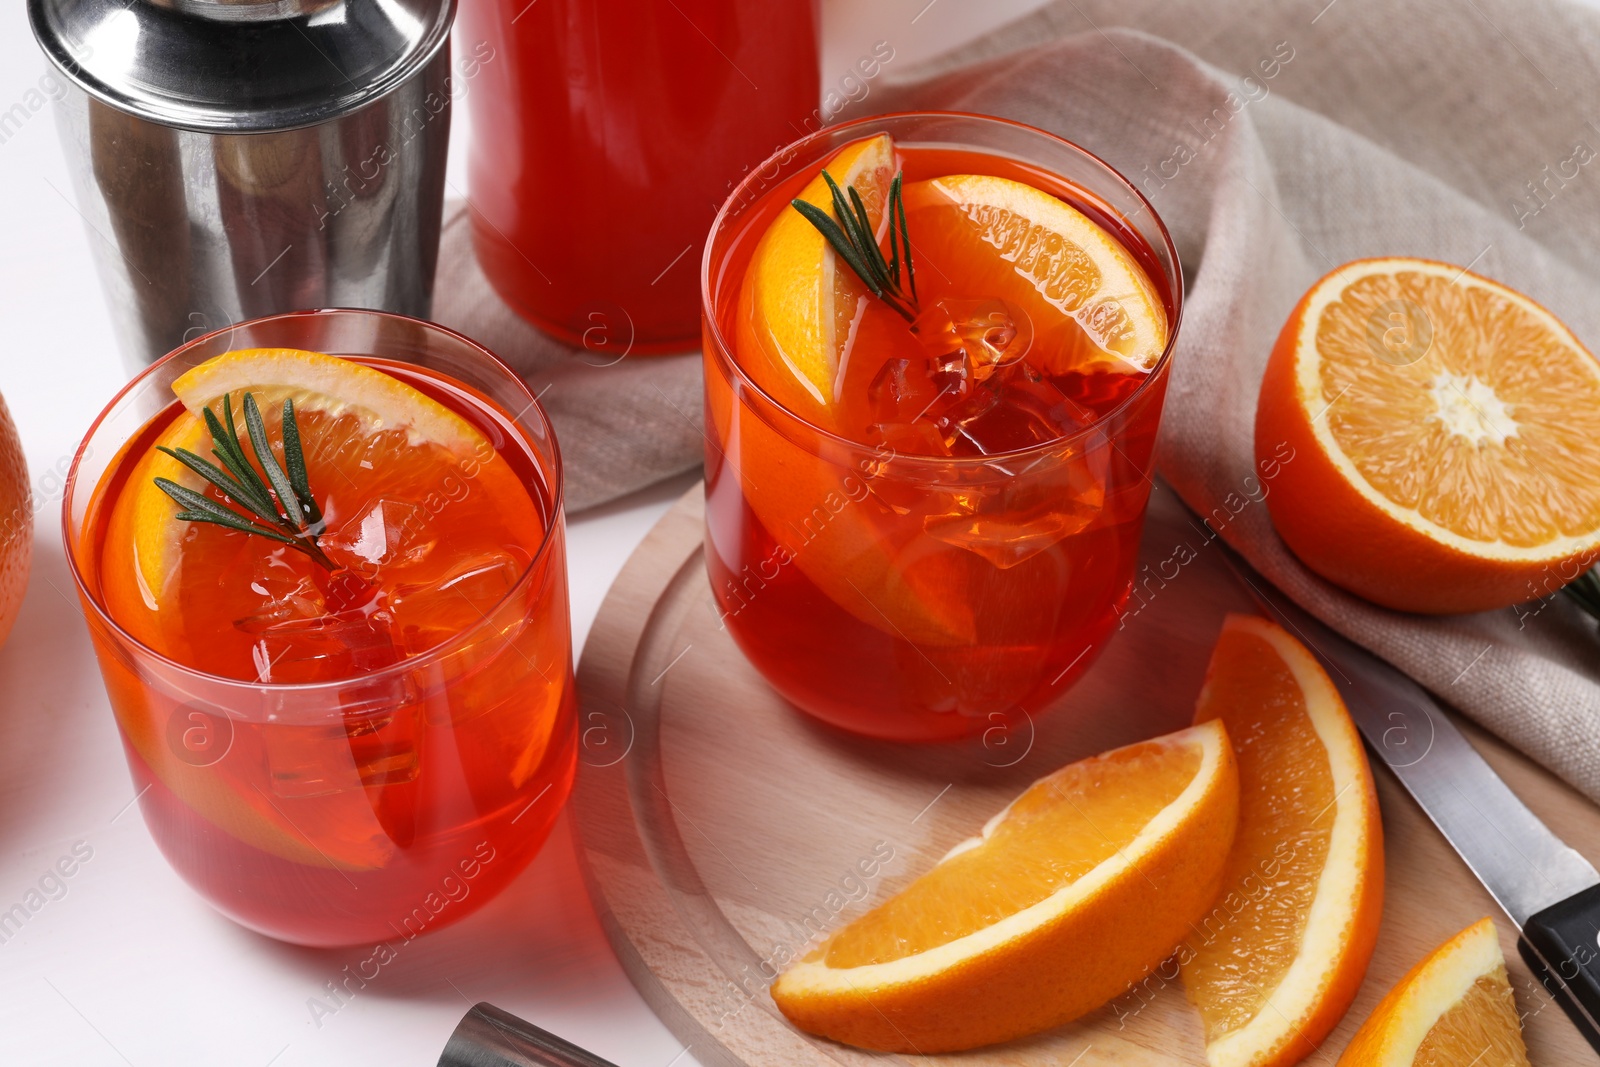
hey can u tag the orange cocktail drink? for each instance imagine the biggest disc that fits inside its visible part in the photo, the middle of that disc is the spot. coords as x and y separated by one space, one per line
321 557
932 394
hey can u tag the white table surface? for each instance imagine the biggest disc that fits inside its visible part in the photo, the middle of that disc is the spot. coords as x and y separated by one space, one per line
123 964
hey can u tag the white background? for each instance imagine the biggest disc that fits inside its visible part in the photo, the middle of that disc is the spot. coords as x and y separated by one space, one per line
129 967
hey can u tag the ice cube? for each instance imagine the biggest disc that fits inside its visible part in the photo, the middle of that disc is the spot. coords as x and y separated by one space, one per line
988 333
427 613
385 747
364 751
323 647
287 594
902 396
386 533
1044 498
309 761
375 742
1006 538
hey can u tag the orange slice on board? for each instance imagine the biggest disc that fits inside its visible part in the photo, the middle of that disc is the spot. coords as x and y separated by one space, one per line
1084 882
1274 965
1445 435
1455 1007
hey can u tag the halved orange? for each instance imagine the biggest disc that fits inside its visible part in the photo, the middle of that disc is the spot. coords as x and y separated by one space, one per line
1455 1007
1275 963
1444 435
1084 882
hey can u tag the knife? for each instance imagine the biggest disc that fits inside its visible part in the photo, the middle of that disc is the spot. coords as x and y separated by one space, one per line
1548 890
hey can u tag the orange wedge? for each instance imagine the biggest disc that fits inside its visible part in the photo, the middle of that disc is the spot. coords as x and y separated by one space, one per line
1445 438
1274 965
798 301
1086 880
1091 305
797 305
1455 1007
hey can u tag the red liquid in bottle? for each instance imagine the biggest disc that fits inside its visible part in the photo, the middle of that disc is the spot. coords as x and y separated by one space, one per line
605 138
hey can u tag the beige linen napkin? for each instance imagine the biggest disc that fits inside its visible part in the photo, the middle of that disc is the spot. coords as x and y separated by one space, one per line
1277 141
622 424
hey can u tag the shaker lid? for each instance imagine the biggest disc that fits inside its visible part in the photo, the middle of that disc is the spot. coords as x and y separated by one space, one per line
240 66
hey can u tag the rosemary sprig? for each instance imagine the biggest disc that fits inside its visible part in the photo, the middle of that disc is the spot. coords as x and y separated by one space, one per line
281 508
849 231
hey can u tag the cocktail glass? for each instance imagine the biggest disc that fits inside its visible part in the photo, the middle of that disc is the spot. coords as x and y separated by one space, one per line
909 596
377 804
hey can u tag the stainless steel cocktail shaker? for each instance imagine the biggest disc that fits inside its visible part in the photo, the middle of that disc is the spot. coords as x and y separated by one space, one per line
235 158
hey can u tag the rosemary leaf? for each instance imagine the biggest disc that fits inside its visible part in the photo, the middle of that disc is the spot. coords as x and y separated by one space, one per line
294 458
225 446
841 244
210 472
870 250
287 512
269 463
897 206
894 232
849 230
200 508
859 239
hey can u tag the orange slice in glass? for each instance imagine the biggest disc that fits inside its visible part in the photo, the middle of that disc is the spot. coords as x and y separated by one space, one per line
187 589
797 301
1090 305
368 436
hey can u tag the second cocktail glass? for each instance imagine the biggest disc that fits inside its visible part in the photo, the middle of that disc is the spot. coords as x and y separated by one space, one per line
362 754
959 566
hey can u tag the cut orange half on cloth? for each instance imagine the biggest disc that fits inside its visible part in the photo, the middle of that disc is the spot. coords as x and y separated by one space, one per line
1446 438
1455 1007
1085 881
1274 965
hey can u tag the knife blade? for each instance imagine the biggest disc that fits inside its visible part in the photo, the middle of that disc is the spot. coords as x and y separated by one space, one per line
1549 891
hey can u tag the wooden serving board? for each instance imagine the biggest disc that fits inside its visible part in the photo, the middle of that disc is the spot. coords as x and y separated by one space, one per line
721 830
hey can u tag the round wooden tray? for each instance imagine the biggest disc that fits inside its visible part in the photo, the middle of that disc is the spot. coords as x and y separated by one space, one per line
721 830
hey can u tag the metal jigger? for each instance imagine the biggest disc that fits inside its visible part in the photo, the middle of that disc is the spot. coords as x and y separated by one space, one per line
489 1037
234 159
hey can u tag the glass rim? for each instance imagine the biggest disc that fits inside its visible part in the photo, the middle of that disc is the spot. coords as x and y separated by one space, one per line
723 349
410 663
